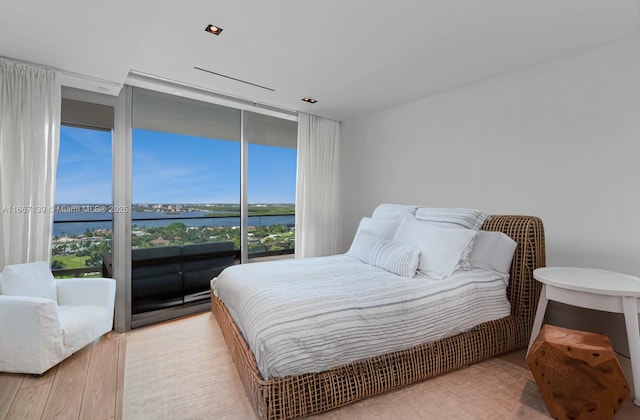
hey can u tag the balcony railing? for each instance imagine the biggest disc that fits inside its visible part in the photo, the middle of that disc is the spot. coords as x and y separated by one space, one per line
257 221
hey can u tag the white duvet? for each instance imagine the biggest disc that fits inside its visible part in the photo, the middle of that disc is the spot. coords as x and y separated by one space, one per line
309 315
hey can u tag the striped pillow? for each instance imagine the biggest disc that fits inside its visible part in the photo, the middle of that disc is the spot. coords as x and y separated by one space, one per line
452 217
398 259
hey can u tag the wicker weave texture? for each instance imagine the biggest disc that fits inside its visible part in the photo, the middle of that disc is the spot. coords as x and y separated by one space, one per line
298 396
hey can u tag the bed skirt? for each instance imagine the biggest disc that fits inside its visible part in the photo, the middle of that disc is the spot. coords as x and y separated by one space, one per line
297 396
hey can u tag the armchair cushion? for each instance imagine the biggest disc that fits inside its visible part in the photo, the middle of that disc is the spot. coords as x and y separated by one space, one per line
85 309
31 279
82 325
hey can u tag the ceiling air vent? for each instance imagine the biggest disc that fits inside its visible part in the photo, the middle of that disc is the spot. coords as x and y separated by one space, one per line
233 78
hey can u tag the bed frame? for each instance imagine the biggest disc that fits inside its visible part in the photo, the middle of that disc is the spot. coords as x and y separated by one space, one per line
297 396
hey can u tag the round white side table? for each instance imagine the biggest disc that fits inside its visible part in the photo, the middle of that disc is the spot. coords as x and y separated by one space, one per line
594 289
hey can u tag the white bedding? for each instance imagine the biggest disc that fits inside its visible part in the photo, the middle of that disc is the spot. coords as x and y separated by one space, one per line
309 315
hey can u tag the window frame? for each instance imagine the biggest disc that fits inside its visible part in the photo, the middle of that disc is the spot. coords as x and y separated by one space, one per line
121 108
87 110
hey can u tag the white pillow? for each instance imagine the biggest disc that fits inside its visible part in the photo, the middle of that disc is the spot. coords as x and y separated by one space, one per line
452 217
394 211
381 228
30 279
493 251
395 258
442 248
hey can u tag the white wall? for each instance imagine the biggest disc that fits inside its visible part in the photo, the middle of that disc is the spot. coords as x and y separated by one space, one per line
560 140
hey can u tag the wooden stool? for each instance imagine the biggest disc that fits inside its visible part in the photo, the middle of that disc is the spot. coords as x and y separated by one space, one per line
577 373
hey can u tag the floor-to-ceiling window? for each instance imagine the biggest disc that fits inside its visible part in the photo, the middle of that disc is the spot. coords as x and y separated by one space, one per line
82 219
202 175
187 189
271 188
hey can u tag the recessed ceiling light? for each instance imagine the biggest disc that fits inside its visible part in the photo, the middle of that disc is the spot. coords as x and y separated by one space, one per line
213 29
310 100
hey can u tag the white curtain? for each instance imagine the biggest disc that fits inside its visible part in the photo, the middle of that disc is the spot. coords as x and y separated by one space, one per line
29 142
317 186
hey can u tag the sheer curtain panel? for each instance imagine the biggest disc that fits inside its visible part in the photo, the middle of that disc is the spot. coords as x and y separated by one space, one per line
317 186
29 140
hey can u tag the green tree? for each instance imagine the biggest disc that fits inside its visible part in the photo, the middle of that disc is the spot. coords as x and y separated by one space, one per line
57 265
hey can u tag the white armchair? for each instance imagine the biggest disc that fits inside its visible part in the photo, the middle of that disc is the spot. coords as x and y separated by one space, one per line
43 320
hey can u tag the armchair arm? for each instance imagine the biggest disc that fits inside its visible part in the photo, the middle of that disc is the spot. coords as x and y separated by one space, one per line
31 334
92 291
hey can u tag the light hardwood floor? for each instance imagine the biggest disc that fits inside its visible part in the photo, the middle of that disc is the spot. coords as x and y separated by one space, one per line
88 385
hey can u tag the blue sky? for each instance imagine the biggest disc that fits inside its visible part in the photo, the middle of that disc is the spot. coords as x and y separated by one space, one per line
170 168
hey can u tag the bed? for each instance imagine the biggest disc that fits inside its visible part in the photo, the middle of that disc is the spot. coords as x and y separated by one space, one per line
295 396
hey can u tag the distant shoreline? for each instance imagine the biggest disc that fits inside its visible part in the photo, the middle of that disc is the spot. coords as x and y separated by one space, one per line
68 224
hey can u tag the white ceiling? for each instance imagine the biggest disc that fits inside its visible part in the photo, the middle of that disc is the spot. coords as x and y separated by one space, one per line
353 56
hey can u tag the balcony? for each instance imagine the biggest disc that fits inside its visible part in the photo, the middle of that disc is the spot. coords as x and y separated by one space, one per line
174 256
80 242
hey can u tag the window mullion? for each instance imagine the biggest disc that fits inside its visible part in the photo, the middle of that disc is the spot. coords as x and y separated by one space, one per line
122 161
244 181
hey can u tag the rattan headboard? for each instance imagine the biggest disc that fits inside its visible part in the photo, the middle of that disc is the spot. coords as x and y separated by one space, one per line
523 291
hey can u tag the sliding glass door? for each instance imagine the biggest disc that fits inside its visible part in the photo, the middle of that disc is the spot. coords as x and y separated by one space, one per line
187 184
